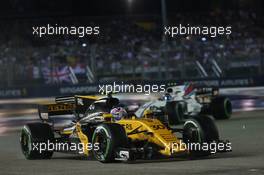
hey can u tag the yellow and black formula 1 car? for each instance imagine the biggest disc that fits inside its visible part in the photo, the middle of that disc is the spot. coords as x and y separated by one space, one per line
93 131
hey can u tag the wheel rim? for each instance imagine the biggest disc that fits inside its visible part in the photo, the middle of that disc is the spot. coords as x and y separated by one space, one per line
101 138
189 128
25 142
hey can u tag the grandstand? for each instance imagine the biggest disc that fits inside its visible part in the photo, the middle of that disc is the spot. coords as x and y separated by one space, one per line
130 47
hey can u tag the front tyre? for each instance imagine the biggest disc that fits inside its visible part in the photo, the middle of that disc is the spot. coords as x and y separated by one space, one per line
200 130
32 135
109 137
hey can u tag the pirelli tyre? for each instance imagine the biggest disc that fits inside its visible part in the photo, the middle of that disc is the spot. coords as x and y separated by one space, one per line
221 108
109 137
34 134
200 130
175 112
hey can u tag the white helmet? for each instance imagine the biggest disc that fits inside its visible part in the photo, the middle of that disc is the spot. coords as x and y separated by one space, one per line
118 113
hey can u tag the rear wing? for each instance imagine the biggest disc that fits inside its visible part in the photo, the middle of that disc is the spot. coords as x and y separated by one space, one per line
207 91
205 95
70 105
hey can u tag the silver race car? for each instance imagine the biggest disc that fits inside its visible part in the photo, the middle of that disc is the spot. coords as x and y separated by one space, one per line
184 101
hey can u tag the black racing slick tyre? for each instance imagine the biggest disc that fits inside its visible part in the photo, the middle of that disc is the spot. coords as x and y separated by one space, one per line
31 138
109 137
209 128
221 108
175 112
200 130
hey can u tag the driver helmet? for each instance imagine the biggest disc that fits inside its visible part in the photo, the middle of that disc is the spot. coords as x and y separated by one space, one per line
167 97
118 113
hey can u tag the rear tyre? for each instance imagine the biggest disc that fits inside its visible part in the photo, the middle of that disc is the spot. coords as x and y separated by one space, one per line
175 112
221 108
110 137
200 130
31 136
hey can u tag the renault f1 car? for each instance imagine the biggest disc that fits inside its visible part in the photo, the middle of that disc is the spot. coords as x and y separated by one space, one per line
184 101
127 139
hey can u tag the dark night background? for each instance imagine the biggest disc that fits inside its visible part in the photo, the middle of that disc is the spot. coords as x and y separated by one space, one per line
129 47
117 7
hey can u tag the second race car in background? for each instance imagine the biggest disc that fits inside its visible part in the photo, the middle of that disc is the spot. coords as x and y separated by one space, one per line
183 101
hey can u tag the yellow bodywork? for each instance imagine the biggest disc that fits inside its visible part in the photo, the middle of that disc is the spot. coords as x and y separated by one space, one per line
149 130
83 138
88 97
152 131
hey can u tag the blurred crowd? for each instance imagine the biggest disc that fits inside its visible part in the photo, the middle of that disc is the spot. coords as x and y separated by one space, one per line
124 46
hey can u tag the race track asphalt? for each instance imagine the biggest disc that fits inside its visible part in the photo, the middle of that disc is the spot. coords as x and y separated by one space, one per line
245 130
